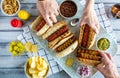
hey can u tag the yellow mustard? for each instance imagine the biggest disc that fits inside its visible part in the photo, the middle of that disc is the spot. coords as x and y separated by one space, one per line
69 62
24 15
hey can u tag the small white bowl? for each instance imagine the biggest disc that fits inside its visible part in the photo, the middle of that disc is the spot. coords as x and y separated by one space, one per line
63 2
26 65
25 70
10 14
97 43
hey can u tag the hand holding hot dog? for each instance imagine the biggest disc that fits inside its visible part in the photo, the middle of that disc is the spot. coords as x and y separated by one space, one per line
110 69
89 16
49 10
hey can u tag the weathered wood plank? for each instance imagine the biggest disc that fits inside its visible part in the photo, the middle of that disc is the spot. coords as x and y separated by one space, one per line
5 24
116 59
117 35
12 73
118 52
9 36
12 62
104 1
107 1
4 49
115 23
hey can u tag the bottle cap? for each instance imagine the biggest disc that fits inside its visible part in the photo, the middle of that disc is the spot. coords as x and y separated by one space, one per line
16 23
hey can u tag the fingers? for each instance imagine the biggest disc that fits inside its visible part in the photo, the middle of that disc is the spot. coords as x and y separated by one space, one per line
98 26
48 21
109 56
95 28
56 13
53 18
82 22
50 18
105 58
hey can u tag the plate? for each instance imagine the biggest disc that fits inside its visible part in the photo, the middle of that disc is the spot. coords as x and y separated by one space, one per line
72 71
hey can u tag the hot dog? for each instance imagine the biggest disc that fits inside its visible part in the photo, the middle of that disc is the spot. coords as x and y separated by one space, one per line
89 57
39 26
86 37
57 33
59 37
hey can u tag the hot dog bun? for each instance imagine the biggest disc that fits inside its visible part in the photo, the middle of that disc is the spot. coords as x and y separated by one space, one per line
86 37
54 28
62 41
63 36
39 22
35 23
68 50
59 37
89 57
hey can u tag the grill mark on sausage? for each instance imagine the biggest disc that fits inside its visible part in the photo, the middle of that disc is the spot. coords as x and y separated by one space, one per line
57 33
85 36
42 23
66 44
89 54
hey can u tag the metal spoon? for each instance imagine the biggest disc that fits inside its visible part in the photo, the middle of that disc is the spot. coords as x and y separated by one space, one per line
74 22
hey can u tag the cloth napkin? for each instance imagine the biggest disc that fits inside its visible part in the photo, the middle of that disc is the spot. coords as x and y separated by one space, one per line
54 67
27 37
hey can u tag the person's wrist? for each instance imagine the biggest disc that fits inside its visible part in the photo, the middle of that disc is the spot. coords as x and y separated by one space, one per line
89 4
88 9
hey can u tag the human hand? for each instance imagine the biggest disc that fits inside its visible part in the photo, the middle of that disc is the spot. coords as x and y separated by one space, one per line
110 69
49 10
89 17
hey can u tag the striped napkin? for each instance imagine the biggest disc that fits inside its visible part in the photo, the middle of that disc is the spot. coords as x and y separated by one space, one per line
27 37
54 67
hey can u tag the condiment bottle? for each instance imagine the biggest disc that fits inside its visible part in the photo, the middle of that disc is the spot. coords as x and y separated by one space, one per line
23 14
16 23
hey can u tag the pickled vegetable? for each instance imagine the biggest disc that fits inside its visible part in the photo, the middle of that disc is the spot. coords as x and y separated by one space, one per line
16 48
103 44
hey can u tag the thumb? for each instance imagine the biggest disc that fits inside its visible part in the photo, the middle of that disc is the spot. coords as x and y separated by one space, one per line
95 29
81 22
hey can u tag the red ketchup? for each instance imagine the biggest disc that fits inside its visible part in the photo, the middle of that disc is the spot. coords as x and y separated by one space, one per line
16 23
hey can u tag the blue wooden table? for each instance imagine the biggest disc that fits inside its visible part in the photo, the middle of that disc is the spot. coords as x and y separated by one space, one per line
12 67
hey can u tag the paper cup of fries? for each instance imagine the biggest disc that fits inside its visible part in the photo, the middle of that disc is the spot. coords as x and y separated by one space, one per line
36 67
10 7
